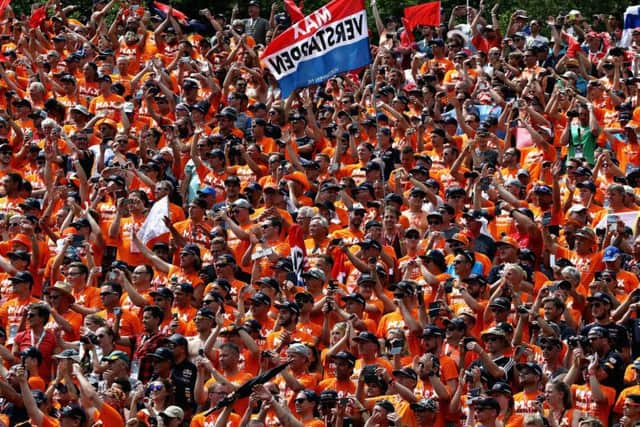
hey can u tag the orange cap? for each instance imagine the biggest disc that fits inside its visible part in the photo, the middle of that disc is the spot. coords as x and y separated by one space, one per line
21 239
300 178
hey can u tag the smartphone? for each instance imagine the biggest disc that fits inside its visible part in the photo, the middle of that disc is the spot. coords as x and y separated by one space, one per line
335 242
396 347
546 219
448 285
77 240
474 392
201 352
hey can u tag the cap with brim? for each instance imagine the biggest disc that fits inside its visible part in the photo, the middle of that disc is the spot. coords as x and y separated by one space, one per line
432 331
178 340
486 402
116 355
493 331
173 411
261 298
315 273
366 337
68 354
406 372
289 305
611 253
459 237
355 297
508 241
457 323
586 233
162 353
500 388
270 282
468 312
206 312
63 287
386 405
530 366
345 355
23 255
298 348
501 303
600 297
22 277
365 278
162 292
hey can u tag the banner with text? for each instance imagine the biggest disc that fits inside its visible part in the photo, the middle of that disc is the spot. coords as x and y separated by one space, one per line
332 40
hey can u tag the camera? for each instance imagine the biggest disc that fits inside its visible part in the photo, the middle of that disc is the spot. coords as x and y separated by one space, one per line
578 341
572 113
522 309
89 338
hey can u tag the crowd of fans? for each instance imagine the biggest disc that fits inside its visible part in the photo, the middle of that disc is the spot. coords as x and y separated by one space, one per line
467 207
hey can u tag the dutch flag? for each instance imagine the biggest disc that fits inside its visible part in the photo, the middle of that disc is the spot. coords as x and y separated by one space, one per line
631 21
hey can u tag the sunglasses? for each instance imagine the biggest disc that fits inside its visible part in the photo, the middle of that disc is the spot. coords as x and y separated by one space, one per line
106 294
300 400
491 339
155 387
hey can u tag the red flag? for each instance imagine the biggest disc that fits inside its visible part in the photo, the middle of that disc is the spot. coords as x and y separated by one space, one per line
407 34
37 17
339 270
298 250
3 5
294 11
165 9
422 14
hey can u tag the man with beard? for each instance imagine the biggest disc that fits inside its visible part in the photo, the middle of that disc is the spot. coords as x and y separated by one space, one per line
529 375
146 343
437 368
285 330
600 306
352 233
494 359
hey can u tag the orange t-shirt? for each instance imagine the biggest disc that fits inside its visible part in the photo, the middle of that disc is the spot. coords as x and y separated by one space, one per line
586 404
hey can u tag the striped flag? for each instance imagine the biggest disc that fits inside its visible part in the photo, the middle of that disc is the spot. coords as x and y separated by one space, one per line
631 21
332 40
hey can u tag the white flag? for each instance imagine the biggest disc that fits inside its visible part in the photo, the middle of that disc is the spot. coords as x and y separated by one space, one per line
153 225
629 219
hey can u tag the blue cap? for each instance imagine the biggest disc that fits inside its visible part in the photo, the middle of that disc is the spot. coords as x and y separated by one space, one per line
611 253
207 191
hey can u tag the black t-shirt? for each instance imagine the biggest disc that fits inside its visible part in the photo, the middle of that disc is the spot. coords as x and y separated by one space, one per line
183 377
